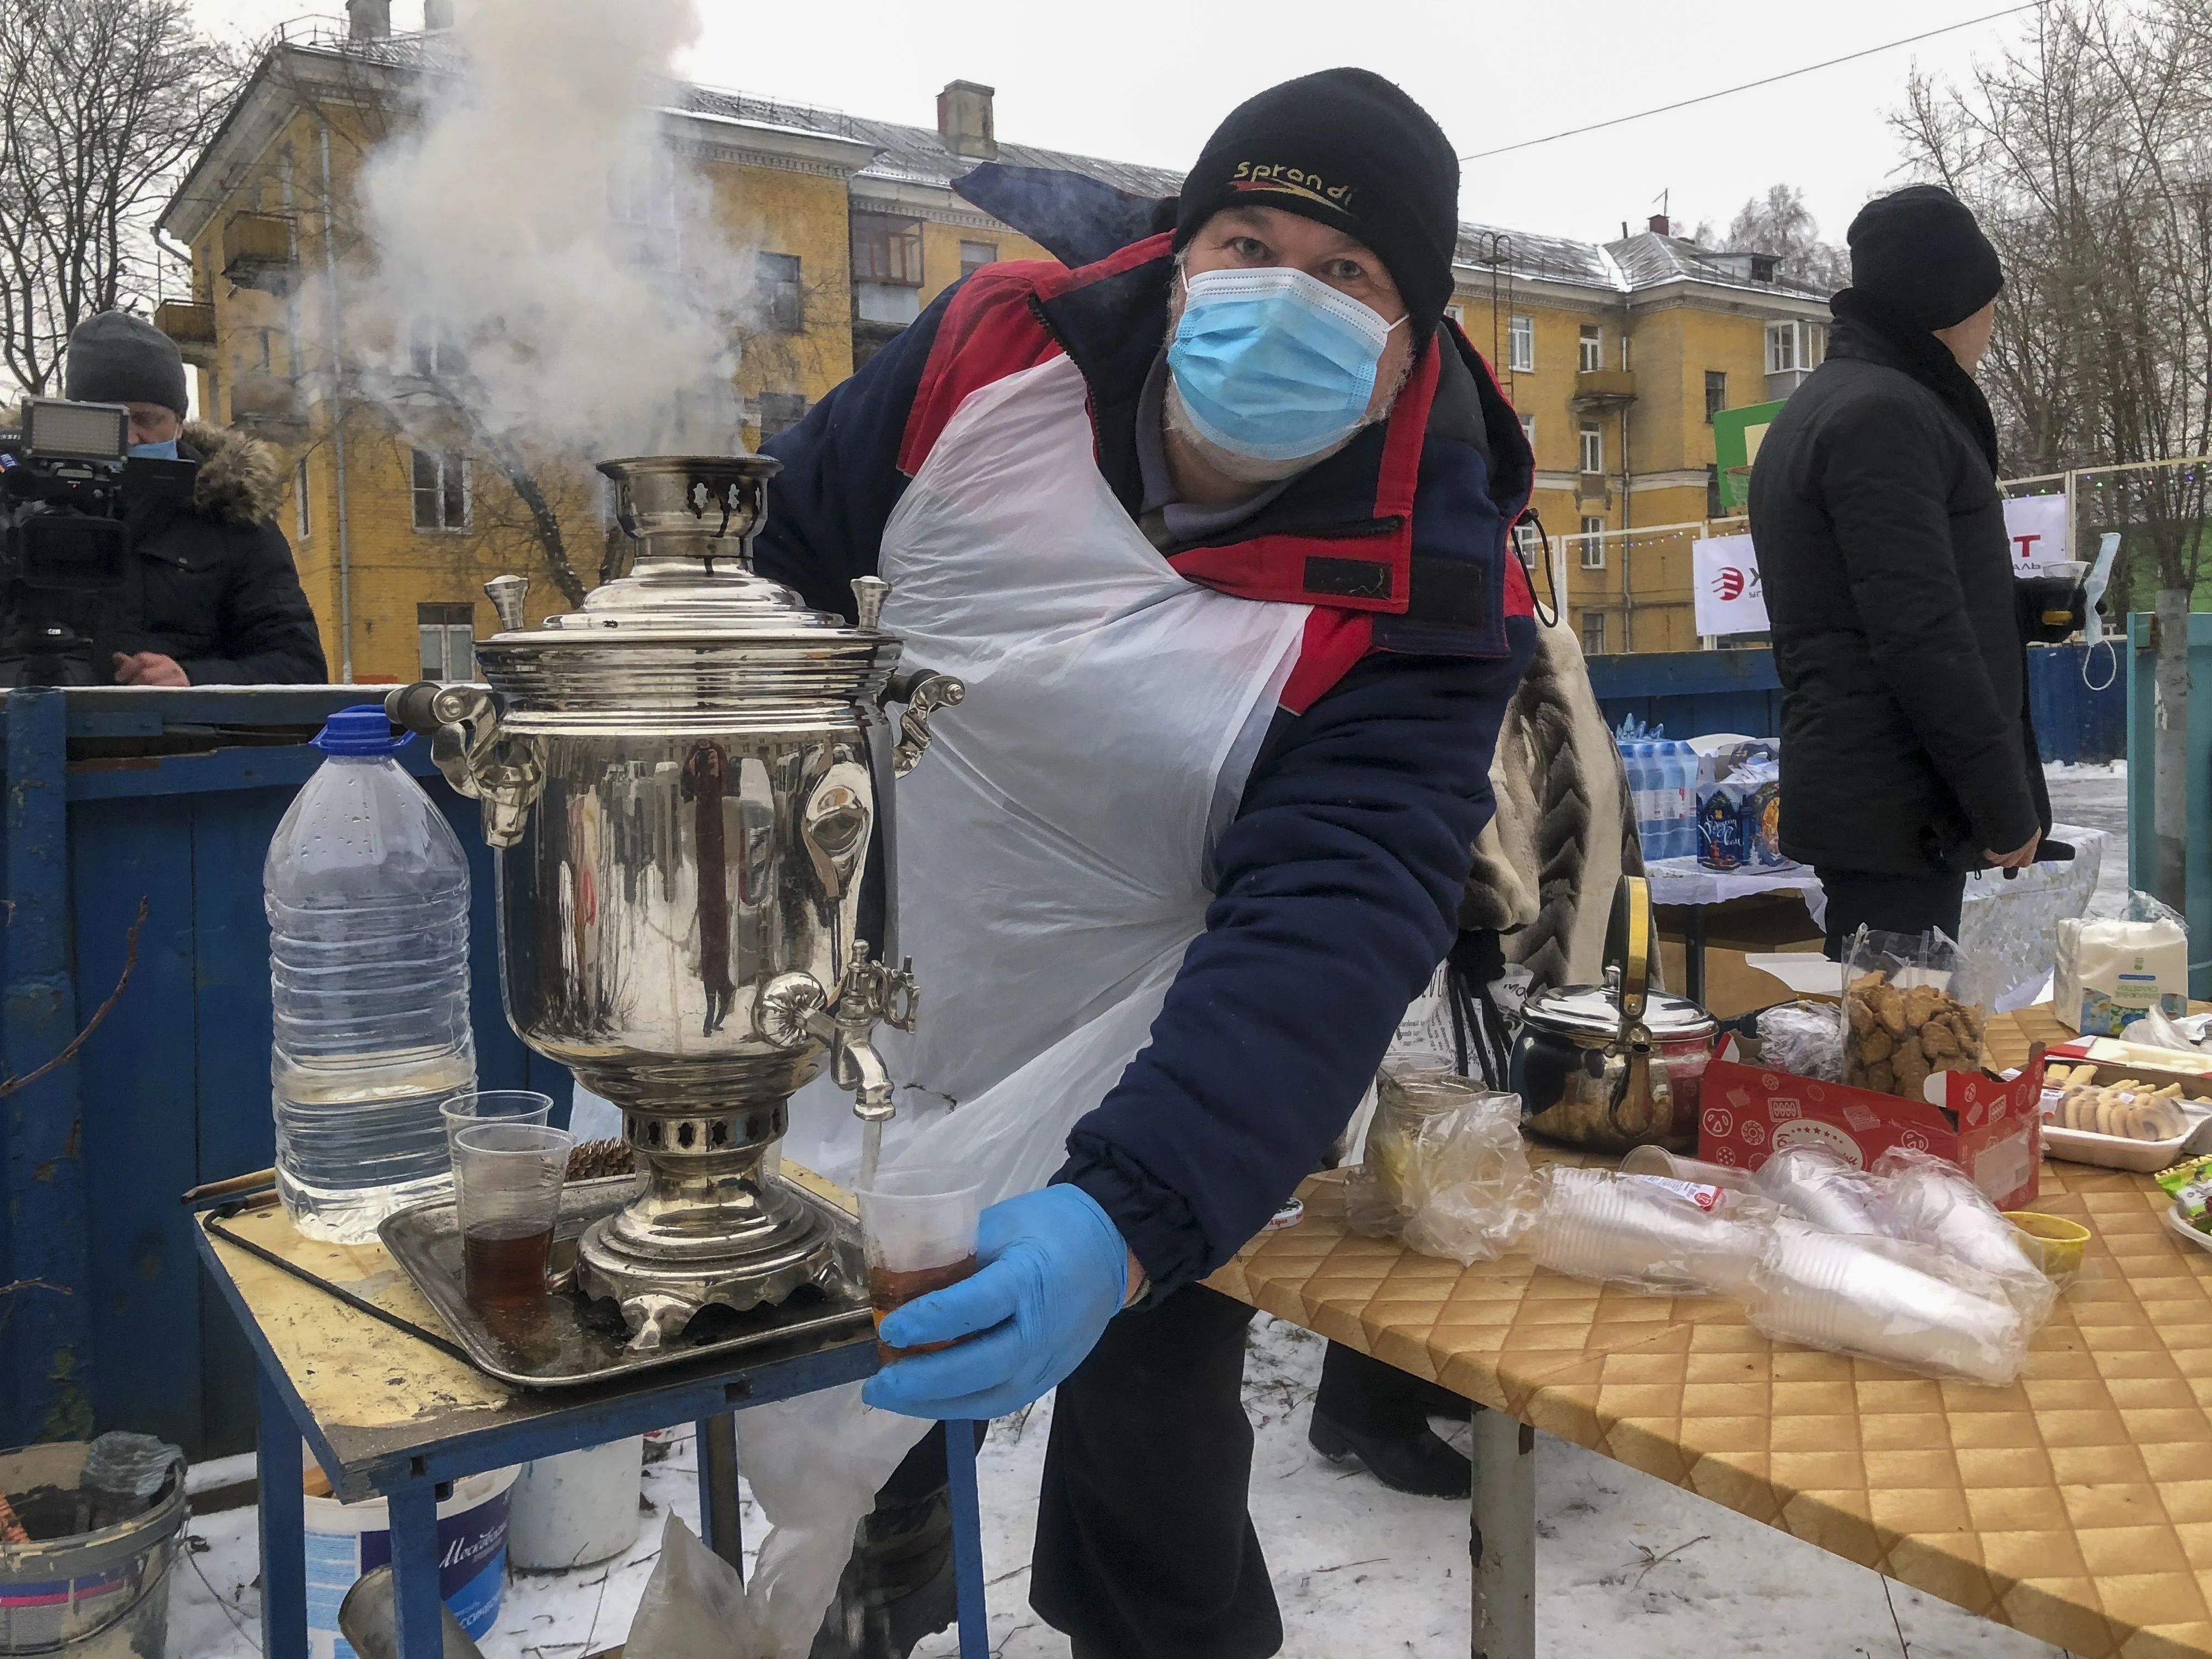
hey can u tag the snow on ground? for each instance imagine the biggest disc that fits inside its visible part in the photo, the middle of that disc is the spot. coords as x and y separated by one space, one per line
2096 795
1627 1564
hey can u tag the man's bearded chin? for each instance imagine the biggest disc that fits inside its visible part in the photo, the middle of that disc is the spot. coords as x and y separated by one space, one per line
1249 469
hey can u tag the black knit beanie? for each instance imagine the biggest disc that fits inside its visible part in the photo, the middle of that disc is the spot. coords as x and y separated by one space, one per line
117 358
1350 149
1918 252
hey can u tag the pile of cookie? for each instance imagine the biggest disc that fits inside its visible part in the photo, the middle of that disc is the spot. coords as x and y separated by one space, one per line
2125 1107
1895 1037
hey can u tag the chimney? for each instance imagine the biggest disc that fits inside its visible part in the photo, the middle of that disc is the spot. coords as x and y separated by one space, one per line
368 20
1660 225
437 15
964 120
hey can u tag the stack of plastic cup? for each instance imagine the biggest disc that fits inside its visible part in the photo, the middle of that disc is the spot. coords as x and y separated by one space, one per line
1825 1190
1598 1223
1933 1203
1856 1297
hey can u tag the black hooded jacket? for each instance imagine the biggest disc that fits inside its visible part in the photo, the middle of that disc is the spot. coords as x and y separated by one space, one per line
1897 625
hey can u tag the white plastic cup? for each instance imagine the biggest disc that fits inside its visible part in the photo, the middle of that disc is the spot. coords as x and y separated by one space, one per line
1829 1291
1672 1166
1824 1189
524 1106
1595 1223
918 1233
1943 1209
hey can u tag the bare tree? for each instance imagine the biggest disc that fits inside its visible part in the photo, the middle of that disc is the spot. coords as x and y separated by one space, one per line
101 104
2085 152
1780 223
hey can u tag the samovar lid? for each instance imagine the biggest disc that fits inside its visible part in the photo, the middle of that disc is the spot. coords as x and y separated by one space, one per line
693 623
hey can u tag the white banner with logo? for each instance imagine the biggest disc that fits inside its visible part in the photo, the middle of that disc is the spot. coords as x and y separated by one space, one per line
1730 599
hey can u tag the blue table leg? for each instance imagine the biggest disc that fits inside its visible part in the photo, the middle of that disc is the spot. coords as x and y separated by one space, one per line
967 1539
283 1528
721 1529
415 1569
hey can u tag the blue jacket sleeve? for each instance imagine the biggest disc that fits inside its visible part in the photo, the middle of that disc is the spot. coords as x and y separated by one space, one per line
1340 885
827 509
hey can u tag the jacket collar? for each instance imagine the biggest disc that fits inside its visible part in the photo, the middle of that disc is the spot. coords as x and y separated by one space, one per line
1872 332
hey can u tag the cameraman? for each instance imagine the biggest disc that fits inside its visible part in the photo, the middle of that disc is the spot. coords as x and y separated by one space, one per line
209 595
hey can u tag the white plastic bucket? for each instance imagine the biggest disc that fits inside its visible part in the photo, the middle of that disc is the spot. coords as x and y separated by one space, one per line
578 1507
344 1540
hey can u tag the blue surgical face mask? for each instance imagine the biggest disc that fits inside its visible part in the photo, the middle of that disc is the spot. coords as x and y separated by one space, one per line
164 451
1273 364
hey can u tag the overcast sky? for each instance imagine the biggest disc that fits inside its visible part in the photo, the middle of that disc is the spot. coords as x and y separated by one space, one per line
1146 79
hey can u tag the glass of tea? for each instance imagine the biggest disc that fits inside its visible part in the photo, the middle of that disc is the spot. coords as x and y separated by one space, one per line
918 1228
494 1106
506 1186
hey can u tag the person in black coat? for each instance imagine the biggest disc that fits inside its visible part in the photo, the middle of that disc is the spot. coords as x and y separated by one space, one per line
211 595
1898 626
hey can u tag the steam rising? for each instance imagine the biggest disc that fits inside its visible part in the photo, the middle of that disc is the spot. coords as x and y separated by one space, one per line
536 224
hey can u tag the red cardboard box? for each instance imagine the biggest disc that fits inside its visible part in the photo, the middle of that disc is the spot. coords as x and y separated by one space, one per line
1991 1129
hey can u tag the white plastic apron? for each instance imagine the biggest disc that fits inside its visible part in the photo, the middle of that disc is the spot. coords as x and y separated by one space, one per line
1053 848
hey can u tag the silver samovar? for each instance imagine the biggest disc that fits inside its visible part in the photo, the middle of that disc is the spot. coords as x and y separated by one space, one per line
688 784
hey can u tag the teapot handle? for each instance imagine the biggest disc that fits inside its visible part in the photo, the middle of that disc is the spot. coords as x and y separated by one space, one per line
1628 948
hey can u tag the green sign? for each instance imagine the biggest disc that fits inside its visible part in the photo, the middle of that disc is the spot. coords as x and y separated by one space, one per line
1736 435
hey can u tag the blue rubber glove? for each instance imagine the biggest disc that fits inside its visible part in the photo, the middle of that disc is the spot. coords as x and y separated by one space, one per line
1056 1269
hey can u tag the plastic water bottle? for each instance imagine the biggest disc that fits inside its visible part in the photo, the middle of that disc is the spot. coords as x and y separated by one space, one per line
367 890
1682 800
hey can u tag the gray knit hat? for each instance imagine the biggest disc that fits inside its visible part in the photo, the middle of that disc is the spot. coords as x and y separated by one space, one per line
117 358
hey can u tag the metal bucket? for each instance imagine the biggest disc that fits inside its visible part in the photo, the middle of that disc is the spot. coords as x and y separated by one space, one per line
102 1595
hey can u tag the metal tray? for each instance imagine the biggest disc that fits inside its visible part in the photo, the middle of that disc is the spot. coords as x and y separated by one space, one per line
569 1340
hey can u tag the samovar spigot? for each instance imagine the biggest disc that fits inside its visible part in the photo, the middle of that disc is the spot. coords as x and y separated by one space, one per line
792 1009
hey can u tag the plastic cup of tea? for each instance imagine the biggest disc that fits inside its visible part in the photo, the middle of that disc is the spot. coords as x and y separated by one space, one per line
918 1231
506 1186
494 1106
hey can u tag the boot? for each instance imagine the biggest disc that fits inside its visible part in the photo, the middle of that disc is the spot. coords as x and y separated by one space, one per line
1379 1414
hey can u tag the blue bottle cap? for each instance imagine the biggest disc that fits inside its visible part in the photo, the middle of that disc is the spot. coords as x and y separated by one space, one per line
360 730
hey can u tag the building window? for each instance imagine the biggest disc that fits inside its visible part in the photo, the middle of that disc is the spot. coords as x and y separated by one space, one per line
1815 337
783 299
1529 431
1528 541
1521 344
642 192
1593 449
1716 393
973 256
441 489
1624 354
886 248
448 637
431 351
1593 348
1593 633
1782 352
301 525
1593 541
1713 509
780 411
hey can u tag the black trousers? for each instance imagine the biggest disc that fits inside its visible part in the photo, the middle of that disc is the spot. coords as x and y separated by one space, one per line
1889 904
1145 1546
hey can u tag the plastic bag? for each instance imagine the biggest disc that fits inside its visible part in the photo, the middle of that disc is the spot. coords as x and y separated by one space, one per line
1930 1201
1645 1232
1913 1005
1445 1168
125 1472
2111 971
1906 1304
694 1606
1799 1038
2191 1033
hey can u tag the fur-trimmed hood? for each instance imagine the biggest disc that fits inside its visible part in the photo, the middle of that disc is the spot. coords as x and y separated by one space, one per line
240 480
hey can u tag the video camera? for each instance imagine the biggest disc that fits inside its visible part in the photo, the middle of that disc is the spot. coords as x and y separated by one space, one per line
67 487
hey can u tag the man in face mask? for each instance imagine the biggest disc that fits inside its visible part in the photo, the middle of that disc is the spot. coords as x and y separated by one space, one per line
1212 523
209 595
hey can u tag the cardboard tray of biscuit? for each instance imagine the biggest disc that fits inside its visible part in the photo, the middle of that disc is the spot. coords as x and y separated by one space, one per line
2125 1106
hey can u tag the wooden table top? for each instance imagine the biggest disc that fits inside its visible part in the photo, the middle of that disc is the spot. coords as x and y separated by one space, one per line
2075 1505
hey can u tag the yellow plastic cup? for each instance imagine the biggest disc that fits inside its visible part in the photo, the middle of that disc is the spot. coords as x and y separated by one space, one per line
2052 1243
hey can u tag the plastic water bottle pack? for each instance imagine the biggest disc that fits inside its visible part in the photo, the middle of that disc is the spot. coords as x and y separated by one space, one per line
366 892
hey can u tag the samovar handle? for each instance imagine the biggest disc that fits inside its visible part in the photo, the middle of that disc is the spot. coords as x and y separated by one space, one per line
923 692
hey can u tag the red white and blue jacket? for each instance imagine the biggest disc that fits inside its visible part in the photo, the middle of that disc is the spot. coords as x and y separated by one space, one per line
1339 881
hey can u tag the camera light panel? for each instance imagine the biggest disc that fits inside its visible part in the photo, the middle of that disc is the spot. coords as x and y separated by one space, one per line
56 430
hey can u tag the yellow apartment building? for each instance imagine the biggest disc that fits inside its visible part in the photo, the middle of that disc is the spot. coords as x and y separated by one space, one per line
1613 354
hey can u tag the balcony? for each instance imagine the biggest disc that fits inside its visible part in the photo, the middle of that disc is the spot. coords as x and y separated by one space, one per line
191 323
259 251
1604 388
269 405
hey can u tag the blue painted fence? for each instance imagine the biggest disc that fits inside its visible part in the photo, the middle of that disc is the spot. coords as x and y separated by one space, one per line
2078 695
114 797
